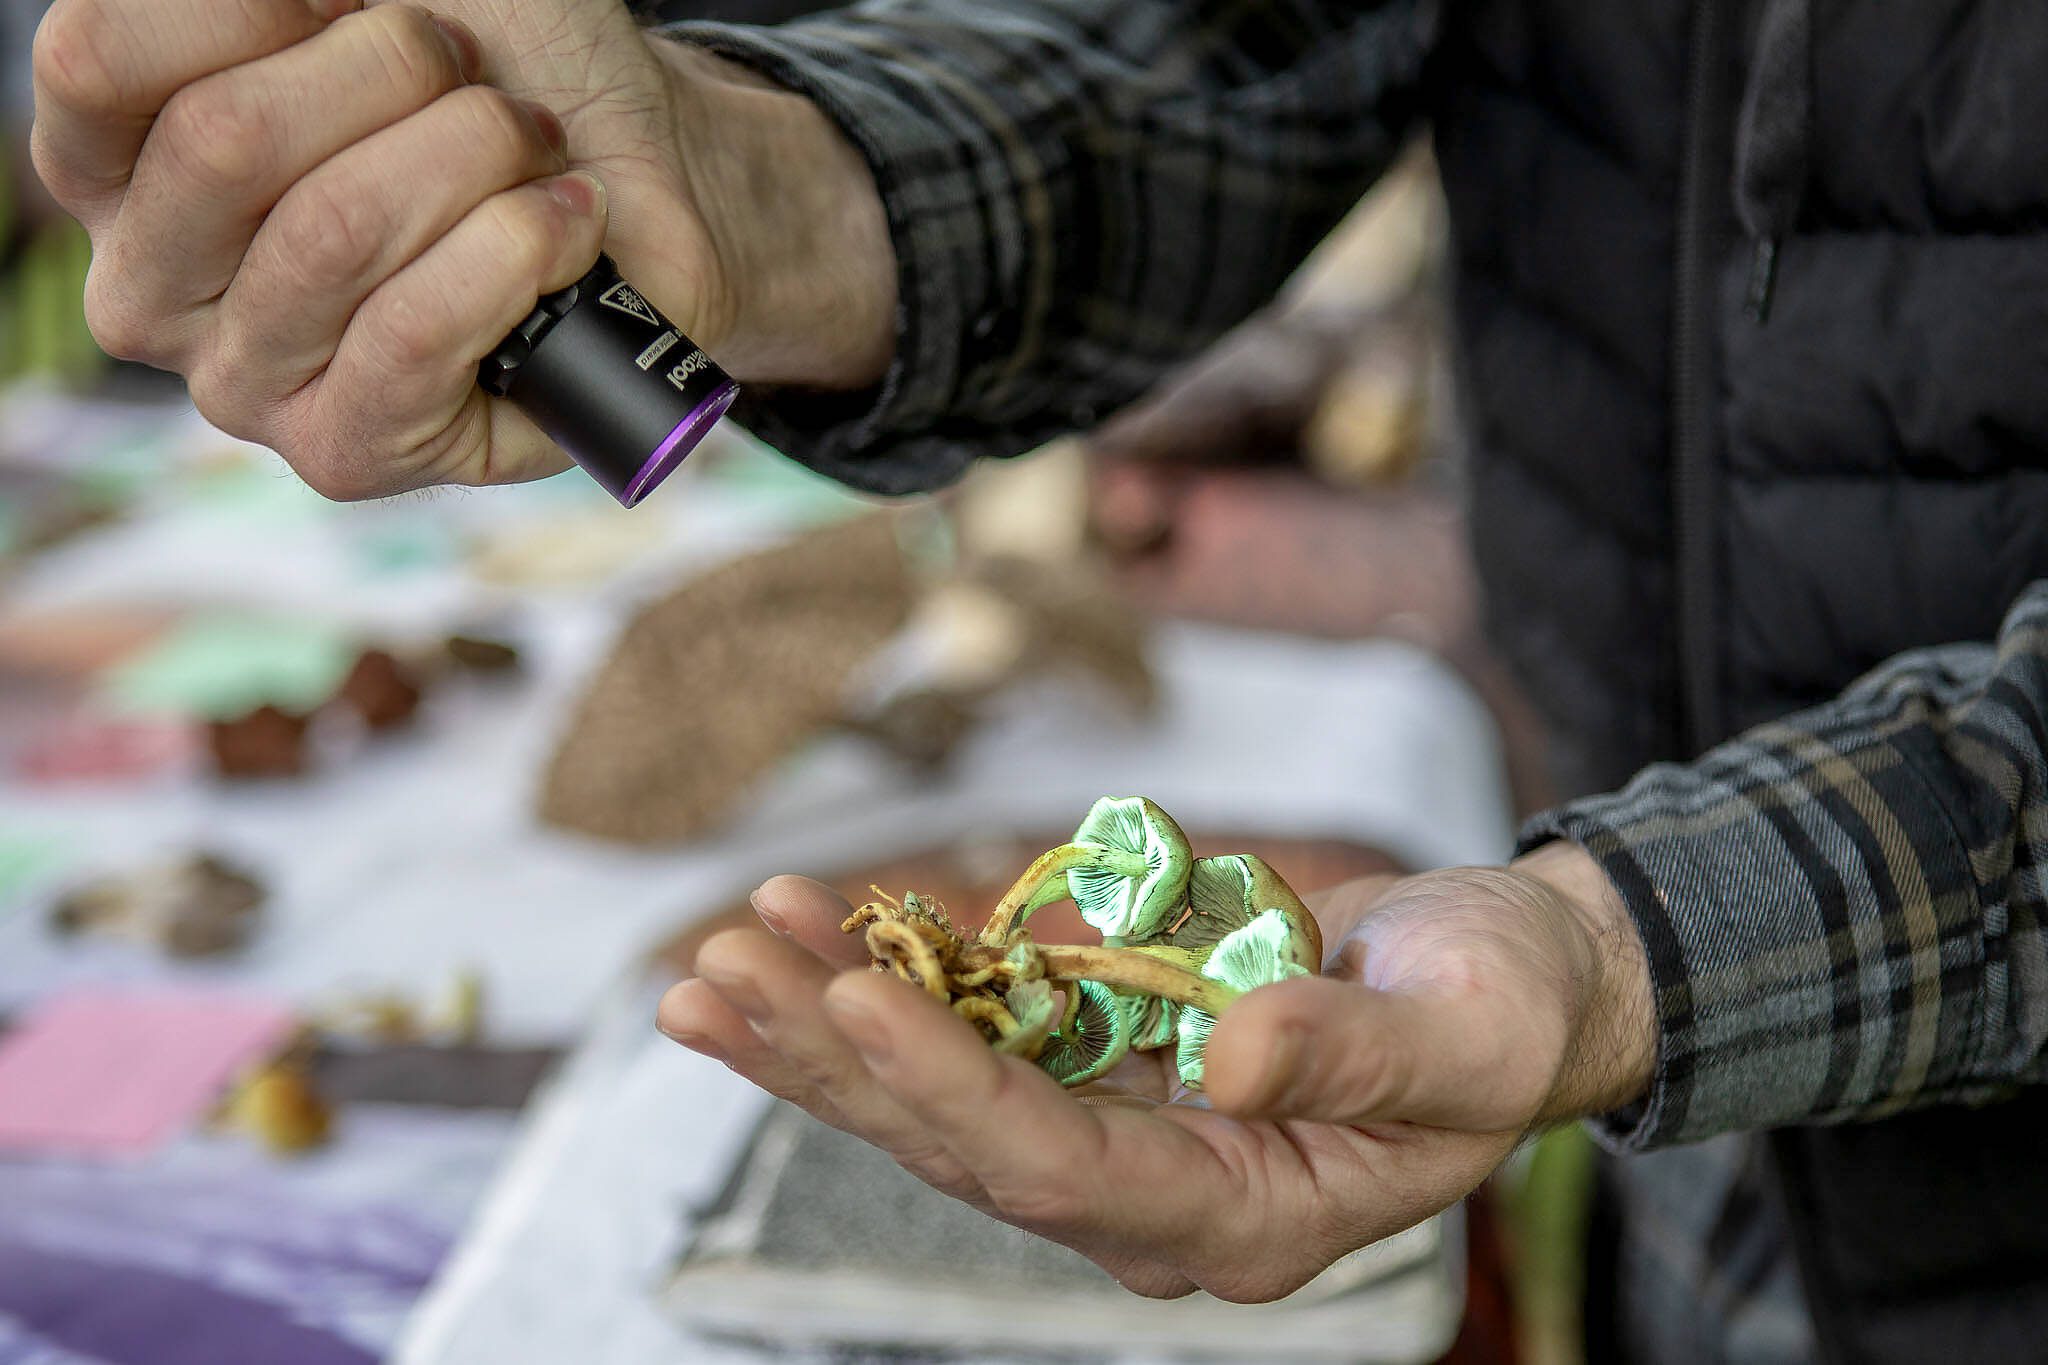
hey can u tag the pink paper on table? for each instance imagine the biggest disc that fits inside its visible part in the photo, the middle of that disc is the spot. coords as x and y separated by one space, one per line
97 1073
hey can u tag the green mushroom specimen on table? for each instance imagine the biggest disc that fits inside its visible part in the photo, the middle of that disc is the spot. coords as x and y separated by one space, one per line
1182 937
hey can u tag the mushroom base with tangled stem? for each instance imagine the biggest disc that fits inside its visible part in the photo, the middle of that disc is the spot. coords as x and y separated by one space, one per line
1184 938
914 938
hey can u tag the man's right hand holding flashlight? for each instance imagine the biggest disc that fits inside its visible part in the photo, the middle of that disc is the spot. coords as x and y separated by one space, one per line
324 215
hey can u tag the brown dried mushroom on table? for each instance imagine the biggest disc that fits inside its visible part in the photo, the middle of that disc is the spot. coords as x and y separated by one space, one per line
712 686
380 690
266 742
195 906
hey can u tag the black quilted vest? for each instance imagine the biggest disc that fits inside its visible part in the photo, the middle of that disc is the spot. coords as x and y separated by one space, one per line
1753 302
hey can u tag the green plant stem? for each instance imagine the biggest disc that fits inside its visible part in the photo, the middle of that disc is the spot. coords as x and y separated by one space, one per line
1055 889
1129 970
1024 895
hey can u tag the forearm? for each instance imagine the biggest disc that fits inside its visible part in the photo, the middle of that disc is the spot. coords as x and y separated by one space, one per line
1075 195
1839 910
798 223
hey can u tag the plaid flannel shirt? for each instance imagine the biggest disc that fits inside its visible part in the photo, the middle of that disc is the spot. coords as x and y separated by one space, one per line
1842 910
1079 195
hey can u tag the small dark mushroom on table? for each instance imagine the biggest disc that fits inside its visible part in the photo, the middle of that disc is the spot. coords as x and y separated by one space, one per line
196 906
267 742
380 690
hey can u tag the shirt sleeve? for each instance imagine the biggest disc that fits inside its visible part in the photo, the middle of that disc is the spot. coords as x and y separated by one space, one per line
1079 194
1844 910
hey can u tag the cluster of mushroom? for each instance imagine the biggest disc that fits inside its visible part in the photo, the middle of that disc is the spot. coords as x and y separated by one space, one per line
1182 937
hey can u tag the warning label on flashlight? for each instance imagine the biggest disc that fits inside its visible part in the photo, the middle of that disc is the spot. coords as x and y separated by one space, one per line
626 299
655 350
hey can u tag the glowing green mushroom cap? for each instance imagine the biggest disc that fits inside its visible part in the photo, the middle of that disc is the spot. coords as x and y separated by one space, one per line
1222 902
1227 893
1195 1026
1100 1039
1118 901
1271 948
1153 1019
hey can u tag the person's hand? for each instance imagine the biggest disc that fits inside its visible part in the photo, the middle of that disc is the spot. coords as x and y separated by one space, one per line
1464 1008
324 215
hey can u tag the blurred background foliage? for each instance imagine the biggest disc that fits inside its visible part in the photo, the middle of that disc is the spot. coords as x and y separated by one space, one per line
42 327
43 254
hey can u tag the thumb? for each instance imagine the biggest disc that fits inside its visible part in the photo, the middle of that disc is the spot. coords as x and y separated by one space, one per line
1336 1051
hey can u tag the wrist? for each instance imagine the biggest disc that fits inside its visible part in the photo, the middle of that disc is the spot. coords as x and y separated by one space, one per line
1612 1052
794 221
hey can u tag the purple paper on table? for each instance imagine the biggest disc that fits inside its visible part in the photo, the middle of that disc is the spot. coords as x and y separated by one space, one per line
216 1252
107 1074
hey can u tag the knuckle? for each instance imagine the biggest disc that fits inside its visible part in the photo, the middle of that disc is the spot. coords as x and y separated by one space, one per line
1155 1283
219 136
495 127
1044 1206
1226 1271
216 394
1380 1079
236 346
335 478
408 332
404 41
946 1176
330 235
1264 1268
206 386
1331 1231
112 316
792 1090
81 195
530 229
72 58
1362 1084
45 162
1252 1286
831 1074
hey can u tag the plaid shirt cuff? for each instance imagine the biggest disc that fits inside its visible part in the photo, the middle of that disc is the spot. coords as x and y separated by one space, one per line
1839 909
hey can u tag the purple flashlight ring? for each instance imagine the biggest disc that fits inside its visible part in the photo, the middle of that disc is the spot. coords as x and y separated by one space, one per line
677 445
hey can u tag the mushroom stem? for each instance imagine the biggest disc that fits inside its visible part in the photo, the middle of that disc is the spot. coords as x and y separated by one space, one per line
907 952
982 1010
1130 970
1038 887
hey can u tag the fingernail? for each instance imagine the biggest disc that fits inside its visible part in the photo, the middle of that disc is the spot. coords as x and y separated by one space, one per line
699 1044
768 917
550 126
742 995
861 1028
469 53
580 192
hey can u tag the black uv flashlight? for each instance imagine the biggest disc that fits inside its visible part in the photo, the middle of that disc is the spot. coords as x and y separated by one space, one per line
611 381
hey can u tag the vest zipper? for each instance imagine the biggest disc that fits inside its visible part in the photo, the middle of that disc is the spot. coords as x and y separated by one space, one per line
1694 476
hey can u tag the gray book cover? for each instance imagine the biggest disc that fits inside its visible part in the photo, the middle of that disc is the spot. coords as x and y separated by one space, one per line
819 1240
